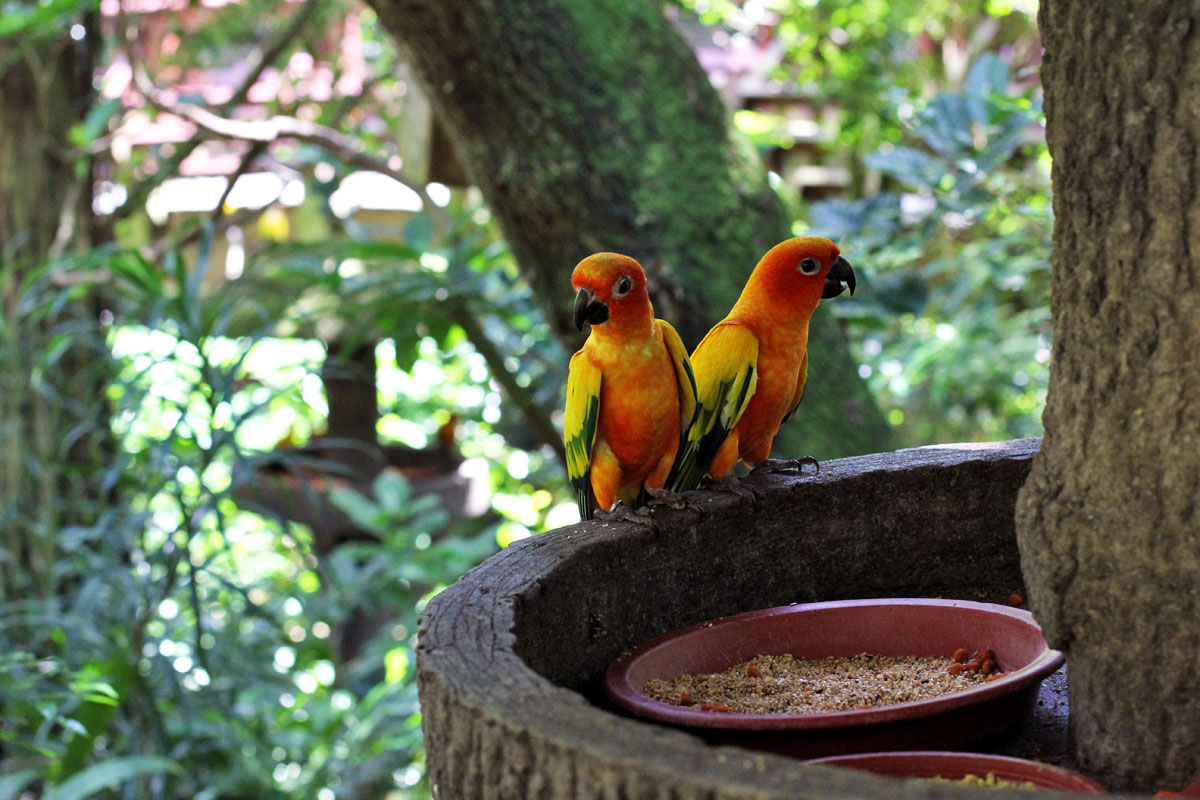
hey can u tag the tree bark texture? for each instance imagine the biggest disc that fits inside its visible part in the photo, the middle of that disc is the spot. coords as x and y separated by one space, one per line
590 126
510 657
45 88
1108 523
49 430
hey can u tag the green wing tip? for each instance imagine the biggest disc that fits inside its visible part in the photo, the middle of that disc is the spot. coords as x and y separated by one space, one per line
683 475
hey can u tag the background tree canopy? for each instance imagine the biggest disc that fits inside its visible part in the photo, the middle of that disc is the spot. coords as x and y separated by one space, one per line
239 253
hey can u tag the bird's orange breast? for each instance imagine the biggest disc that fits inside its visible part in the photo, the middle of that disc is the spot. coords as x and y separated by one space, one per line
639 407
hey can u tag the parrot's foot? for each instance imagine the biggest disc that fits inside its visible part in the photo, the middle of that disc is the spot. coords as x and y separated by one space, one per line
665 497
623 513
675 500
733 485
785 465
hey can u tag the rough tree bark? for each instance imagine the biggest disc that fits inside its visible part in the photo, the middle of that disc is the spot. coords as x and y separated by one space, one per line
45 88
45 211
1109 522
589 125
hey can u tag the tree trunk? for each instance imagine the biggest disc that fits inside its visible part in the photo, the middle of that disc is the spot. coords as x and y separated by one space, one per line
1109 523
589 125
43 92
353 396
53 424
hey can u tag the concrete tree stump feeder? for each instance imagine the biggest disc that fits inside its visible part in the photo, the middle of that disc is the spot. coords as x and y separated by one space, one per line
511 657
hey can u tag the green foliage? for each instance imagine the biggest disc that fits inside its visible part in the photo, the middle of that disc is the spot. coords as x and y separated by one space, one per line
414 549
855 61
109 774
39 19
455 320
932 108
179 642
359 288
953 322
159 639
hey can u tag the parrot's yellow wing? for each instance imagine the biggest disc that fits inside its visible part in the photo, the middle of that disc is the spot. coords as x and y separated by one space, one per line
579 427
683 374
726 369
801 379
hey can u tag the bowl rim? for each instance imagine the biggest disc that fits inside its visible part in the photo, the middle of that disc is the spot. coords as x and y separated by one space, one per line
622 692
980 761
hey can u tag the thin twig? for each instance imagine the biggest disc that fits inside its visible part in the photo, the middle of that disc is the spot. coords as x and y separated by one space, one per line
260 61
256 150
271 50
67 221
345 147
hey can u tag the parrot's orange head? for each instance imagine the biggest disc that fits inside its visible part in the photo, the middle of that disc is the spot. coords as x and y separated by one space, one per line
609 286
804 270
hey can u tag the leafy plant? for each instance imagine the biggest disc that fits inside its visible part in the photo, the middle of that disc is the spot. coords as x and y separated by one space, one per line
954 326
177 642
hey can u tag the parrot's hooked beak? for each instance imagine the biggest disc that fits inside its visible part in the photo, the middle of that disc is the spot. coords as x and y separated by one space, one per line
840 275
589 310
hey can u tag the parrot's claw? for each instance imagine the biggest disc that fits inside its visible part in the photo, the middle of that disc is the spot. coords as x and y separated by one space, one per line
785 465
665 497
623 513
733 485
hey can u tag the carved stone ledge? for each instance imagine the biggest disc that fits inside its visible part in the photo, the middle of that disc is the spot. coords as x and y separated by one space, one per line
511 656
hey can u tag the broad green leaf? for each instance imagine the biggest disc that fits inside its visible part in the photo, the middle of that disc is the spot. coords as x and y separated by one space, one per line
392 490
418 233
988 75
358 508
14 783
84 133
108 774
908 165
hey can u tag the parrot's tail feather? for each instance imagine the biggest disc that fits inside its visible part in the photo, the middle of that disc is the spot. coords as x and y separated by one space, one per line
583 495
687 470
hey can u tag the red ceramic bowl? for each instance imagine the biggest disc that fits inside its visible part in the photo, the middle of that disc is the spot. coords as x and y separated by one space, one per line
893 627
953 766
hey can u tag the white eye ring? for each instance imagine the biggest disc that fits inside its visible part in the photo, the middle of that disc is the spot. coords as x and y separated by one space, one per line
622 286
809 266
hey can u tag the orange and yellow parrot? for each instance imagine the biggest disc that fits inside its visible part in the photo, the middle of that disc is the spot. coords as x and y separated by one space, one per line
751 368
630 390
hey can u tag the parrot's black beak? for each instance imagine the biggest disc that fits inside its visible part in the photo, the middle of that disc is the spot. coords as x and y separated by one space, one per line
589 310
840 275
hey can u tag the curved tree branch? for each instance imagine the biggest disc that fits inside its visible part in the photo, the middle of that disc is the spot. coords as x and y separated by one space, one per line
263 132
259 61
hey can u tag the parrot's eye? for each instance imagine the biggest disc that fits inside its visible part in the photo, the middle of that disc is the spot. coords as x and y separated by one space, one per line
809 266
622 286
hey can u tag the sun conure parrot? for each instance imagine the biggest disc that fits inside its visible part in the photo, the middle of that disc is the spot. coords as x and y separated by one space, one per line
630 390
750 369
